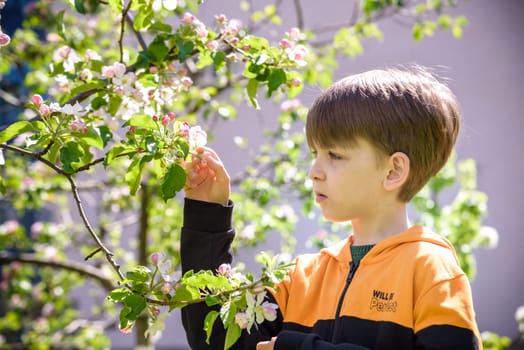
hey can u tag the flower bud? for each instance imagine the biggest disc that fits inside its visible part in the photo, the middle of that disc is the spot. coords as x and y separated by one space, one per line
4 39
37 100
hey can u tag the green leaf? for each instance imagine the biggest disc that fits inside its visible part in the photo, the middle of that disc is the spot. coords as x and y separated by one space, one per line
133 175
136 304
118 294
14 130
209 321
116 5
139 274
185 48
105 134
114 104
142 121
232 334
276 78
252 87
219 59
114 152
92 138
158 49
70 154
173 182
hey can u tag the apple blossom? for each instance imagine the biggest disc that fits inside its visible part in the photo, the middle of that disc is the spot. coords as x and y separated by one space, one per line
284 43
169 5
188 18
242 320
171 115
77 109
269 310
232 27
225 270
78 125
183 129
221 18
165 119
44 110
156 258
37 100
186 81
294 33
289 105
197 137
166 288
4 39
92 55
212 45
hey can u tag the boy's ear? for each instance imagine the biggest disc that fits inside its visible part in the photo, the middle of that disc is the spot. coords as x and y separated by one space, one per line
398 173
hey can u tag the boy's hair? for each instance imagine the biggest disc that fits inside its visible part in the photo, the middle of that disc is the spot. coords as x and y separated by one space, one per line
397 110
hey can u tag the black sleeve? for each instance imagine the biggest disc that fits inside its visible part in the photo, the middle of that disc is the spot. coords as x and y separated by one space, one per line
309 341
205 244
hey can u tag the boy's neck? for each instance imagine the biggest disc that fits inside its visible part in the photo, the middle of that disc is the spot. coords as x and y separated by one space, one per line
380 226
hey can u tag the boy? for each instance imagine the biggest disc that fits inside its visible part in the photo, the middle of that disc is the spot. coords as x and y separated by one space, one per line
377 138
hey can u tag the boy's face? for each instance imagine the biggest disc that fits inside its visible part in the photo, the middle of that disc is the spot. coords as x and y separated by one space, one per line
348 181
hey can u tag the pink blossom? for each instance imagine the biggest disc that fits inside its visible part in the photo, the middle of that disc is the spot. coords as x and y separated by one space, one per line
62 53
44 110
119 68
165 119
246 47
166 288
78 125
186 81
298 54
11 226
225 270
201 30
108 72
212 45
296 82
289 105
153 69
171 115
4 39
269 310
242 320
156 258
92 55
183 129
37 228
155 118
293 33
37 100
221 18
284 43
197 137
188 18
233 27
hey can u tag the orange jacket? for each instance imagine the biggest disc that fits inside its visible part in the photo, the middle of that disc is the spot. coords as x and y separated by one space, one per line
408 289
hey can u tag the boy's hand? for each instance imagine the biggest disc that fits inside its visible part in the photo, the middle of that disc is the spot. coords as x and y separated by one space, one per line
267 345
207 179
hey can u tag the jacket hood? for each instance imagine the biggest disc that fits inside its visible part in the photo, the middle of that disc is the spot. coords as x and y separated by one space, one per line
417 233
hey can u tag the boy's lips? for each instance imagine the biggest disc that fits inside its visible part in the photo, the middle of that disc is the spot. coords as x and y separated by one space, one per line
319 197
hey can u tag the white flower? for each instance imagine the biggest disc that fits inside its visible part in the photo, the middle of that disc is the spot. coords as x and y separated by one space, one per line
169 5
197 137
76 109
2 160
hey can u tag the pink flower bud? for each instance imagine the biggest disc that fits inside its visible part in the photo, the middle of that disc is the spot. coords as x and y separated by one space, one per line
186 81
155 118
37 100
108 72
166 288
225 270
153 69
78 125
165 119
296 82
171 115
188 18
44 110
212 45
221 18
156 258
284 43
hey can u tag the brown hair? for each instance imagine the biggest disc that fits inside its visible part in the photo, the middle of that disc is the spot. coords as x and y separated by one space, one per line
397 110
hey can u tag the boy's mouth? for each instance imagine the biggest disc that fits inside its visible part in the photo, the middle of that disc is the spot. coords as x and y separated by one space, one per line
319 197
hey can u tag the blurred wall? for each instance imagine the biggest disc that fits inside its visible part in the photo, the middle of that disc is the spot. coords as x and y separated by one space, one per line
486 71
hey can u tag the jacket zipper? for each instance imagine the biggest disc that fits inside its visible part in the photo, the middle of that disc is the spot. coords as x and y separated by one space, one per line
352 269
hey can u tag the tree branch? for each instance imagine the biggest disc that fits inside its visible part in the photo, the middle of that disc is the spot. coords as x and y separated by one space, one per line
82 269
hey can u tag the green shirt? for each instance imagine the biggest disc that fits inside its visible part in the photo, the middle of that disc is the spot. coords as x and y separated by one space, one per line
358 251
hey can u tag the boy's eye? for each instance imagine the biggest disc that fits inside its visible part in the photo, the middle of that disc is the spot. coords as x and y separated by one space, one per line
334 156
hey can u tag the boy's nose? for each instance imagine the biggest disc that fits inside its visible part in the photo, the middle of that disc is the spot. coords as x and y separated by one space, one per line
315 173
